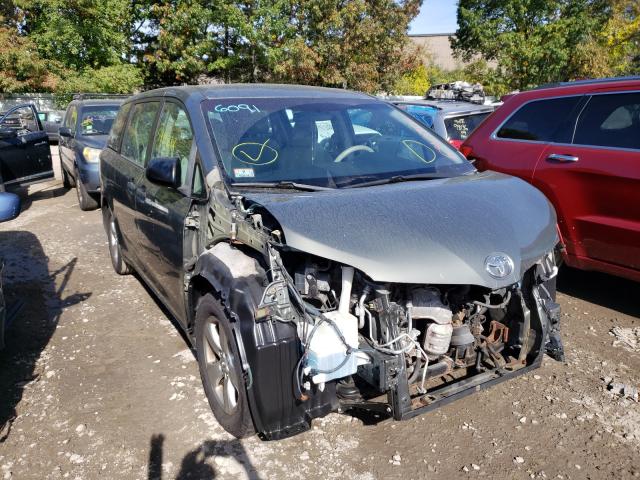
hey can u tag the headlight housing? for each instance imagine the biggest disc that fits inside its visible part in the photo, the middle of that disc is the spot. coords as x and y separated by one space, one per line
91 155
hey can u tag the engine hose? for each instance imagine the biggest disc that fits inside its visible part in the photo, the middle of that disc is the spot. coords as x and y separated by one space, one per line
417 367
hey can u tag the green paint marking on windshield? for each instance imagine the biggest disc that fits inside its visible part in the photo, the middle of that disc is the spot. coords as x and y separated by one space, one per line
240 149
422 146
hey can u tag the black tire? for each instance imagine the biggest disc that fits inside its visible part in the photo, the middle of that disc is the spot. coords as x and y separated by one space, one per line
67 180
220 368
85 200
115 252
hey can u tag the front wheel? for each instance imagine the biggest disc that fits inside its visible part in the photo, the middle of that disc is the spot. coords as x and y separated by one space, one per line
86 201
220 368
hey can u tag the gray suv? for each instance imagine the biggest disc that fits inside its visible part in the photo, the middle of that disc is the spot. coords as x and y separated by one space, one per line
452 120
324 252
82 135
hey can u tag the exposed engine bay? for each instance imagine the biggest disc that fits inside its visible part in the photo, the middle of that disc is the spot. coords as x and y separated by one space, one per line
324 336
395 348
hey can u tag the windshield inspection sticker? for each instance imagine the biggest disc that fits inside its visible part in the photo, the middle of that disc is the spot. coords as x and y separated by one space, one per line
240 107
243 173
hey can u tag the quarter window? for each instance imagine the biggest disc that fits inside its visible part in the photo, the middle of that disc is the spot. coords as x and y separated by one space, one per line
610 121
174 137
137 136
542 121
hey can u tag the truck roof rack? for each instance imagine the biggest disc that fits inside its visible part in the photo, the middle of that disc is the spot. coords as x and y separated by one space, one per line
98 96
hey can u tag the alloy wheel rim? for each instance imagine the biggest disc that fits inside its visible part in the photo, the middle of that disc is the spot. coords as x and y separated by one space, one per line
113 240
219 366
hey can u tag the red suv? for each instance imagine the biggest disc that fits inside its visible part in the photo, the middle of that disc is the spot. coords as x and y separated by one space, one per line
579 143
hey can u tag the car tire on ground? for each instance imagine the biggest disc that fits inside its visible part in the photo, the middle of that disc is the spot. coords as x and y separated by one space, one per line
220 368
67 180
115 252
86 201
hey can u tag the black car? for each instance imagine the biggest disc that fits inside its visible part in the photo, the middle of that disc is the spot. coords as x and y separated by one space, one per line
83 135
324 251
25 157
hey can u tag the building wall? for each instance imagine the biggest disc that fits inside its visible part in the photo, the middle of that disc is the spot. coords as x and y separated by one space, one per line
437 50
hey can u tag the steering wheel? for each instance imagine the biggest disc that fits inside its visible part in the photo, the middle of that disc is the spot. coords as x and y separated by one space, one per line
354 148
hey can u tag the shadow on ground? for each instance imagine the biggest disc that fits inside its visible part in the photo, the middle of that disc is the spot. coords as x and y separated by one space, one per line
199 463
41 293
34 193
601 289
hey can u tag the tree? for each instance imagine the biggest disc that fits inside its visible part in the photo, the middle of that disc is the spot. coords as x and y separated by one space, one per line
21 67
533 41
79 33
355 44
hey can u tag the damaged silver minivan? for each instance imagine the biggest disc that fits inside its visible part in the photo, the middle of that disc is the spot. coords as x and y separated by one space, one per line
325 252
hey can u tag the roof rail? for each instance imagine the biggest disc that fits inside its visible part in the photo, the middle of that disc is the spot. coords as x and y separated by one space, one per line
590 81
96 96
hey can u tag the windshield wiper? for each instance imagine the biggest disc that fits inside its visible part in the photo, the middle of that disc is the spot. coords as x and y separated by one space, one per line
285 184
398 179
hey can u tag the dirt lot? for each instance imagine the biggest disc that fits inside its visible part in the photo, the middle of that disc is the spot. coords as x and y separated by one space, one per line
97 382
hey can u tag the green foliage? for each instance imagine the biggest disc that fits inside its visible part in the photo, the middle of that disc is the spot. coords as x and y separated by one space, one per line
79 33
114 45
21 68
123 78
353 44
414 82
537 41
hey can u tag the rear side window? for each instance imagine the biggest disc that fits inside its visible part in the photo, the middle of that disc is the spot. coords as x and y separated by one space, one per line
425 114
118 127
459 128
137 135
610 121
71 118
542 121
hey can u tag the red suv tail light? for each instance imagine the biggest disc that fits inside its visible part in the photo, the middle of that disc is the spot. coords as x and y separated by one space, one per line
466 150
456 143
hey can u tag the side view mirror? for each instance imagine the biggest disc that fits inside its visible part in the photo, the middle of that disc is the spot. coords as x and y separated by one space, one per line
65 132
164 171
6 132
9 206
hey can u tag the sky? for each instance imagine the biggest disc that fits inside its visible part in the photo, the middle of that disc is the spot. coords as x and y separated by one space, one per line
436 16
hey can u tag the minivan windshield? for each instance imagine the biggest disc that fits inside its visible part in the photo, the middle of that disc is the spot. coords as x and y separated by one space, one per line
324 142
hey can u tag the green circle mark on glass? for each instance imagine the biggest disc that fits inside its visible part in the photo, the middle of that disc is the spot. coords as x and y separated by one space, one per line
416 148
254 153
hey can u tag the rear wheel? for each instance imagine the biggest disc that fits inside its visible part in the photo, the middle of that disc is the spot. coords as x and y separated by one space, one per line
85 200
115 252
220 368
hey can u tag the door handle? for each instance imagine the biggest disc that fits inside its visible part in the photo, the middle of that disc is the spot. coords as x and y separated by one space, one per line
141 193
557 157
131 186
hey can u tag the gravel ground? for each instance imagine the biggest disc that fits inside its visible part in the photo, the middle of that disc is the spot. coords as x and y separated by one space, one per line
97 382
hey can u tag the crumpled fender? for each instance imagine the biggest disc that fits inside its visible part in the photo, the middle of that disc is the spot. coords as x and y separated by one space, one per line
269 350
238 280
